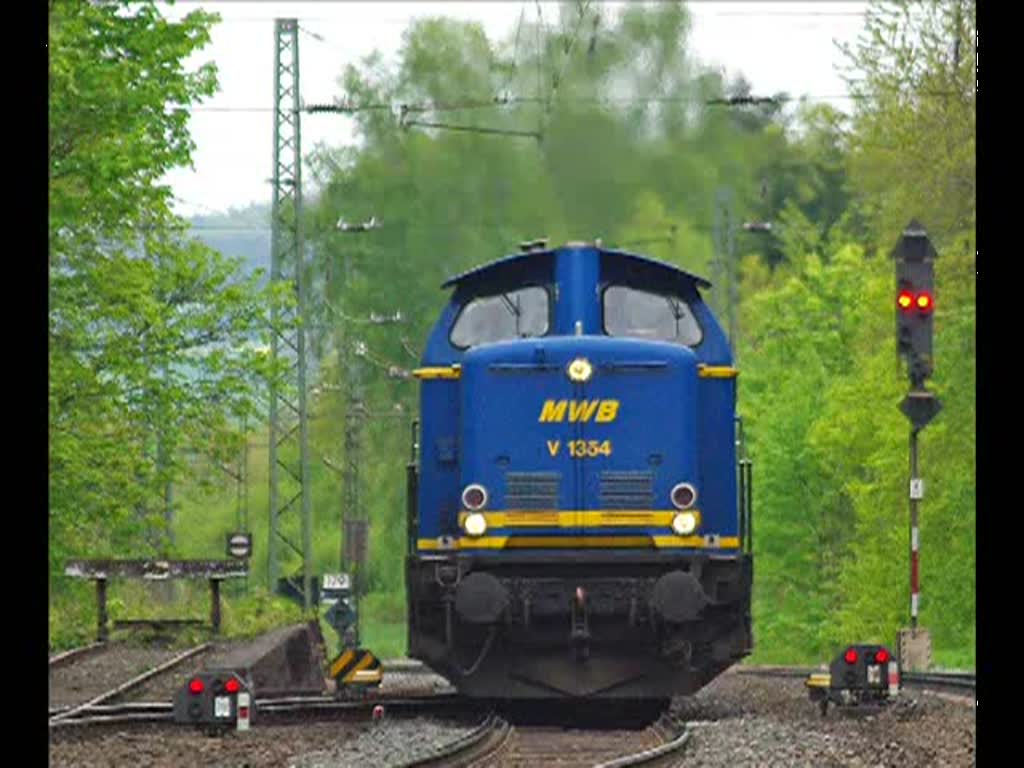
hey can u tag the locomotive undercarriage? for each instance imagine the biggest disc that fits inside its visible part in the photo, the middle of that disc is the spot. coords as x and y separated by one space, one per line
618 625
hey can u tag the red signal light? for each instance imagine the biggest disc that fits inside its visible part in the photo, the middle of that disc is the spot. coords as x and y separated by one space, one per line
882 656
905 300
232 685
925 303
850 657
195 686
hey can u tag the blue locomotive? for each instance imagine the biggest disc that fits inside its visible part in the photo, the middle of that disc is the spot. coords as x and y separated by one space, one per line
579 511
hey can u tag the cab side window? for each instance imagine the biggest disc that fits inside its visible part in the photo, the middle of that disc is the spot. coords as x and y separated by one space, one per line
646 315
518 314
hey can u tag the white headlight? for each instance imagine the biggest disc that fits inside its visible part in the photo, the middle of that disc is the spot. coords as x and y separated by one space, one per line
475 524
684 523
580 370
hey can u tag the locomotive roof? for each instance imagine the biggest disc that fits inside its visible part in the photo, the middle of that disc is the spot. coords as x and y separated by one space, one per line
521 259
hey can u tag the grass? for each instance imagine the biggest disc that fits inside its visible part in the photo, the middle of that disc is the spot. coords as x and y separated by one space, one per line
244 612
386 639
954 660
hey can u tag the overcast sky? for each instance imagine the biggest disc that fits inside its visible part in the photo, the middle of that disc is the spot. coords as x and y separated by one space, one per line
777 46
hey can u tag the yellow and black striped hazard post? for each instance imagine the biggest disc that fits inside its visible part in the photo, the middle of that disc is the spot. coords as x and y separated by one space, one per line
356 666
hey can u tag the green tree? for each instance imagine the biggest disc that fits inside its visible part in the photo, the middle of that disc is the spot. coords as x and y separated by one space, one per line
629 153
152 336
913 141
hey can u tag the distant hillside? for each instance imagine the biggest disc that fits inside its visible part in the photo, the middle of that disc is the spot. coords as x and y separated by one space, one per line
239 232
243 233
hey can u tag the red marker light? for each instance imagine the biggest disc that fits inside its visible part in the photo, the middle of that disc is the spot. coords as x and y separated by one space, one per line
925 303
882 656
905 300
232 686
683 496
850 657
195 686
474 497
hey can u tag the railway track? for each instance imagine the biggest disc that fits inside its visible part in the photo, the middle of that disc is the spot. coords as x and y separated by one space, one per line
953 682
496 742
76 710
486 740
266 710
313 731
75 654
957 682
408 690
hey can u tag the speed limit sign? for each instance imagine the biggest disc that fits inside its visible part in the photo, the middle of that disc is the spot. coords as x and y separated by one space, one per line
240 545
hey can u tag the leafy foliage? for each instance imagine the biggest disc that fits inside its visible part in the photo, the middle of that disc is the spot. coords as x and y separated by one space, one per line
821 392
151 333
631 152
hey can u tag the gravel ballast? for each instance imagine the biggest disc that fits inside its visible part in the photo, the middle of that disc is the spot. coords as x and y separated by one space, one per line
84 679
751 721
739 720
386 743
266 746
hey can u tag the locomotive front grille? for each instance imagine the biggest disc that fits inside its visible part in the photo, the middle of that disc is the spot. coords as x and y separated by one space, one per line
532 490
626 490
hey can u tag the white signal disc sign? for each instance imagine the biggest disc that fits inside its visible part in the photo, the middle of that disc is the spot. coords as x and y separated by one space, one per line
239 545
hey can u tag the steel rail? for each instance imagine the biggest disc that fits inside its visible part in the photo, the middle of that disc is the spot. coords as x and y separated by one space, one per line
130 706
404 704
675 734
405 665
65 657
130 684
282 704
483 741
956 681
960 680
137 717
158 711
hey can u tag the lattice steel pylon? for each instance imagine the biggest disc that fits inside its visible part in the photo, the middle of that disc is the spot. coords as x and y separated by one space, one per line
354 524
289 438
724 267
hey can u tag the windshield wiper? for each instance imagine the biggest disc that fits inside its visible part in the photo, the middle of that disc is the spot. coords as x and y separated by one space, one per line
677 307
511 307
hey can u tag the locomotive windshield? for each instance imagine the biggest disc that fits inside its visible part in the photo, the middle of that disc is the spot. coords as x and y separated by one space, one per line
517 314
645 315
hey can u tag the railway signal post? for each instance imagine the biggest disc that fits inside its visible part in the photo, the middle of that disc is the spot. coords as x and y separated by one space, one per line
915 307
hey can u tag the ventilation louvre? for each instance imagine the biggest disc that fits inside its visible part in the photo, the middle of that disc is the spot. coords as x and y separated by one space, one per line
627 490
532 490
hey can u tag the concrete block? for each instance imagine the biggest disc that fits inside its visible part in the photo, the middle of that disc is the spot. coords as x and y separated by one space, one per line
915 649
287 660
